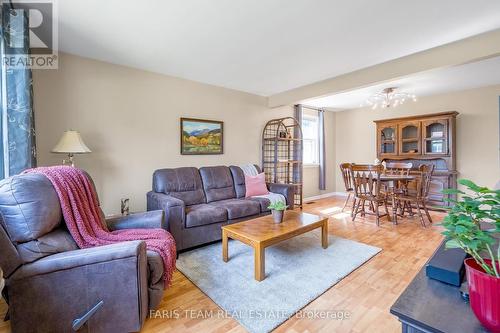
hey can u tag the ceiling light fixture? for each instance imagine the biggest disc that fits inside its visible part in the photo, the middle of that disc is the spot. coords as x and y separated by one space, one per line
389 98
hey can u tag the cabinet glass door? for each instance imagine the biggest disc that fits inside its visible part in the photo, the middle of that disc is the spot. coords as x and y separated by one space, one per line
387 141
436 136
410 138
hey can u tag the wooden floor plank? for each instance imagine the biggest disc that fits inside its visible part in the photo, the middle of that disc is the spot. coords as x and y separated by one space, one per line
366 294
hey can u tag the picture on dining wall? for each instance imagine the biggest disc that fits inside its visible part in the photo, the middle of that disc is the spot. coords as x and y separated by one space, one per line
201 137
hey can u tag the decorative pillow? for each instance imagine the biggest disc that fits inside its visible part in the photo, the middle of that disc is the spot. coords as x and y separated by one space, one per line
256 185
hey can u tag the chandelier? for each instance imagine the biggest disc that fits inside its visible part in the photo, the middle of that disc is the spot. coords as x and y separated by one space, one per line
389 98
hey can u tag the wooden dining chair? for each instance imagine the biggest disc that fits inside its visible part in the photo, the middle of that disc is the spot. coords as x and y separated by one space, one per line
421 195
398 168
349 186
401 169
367 187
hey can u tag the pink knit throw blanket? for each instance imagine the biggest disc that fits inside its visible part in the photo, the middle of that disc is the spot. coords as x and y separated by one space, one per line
82 214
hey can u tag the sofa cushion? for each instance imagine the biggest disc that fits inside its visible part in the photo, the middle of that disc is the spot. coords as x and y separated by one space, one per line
237 208
239 179
181 183
263 202
256 185
218 183
56 241
9 259
29 206
204 214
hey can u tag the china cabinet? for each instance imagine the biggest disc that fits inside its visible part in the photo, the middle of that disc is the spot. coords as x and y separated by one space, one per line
423 139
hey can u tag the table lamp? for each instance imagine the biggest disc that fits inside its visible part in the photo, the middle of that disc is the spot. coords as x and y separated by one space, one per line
71 143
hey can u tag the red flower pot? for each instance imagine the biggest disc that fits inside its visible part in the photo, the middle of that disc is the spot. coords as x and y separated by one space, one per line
484 295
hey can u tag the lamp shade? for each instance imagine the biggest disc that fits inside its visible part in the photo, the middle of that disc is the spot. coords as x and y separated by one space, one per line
71 143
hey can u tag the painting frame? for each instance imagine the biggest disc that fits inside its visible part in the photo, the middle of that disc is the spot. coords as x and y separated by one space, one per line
187 149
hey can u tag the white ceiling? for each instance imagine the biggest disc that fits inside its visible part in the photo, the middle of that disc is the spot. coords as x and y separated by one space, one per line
468 76
266 46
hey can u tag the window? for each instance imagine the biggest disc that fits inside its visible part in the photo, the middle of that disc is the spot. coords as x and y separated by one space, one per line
311 139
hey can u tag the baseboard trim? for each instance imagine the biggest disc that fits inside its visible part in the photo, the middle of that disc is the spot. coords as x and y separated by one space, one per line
325 195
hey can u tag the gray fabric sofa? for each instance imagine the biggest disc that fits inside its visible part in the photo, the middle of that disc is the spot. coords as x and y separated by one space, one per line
197 202
50 281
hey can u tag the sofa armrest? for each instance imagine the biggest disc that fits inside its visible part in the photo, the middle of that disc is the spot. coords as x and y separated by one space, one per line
287 190
162 201
69 260
174 211
146 220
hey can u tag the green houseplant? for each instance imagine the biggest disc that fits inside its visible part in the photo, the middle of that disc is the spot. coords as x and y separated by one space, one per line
473 224
277 209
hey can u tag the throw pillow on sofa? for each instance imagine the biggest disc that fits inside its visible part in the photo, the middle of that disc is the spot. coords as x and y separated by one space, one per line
255 185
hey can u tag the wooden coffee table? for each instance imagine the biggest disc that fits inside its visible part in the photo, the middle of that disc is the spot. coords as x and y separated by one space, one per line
262 232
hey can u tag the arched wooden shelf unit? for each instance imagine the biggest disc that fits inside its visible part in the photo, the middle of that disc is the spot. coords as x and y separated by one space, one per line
282 154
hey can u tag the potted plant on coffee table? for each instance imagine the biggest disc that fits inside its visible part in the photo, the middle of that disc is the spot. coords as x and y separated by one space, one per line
473 224
277 209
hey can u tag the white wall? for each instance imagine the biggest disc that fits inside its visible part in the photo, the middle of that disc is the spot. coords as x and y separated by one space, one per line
477 138
130 120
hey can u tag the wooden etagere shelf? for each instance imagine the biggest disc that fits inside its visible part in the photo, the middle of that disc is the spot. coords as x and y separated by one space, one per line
282 154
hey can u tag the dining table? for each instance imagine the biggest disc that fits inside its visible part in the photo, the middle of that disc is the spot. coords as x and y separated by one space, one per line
394 182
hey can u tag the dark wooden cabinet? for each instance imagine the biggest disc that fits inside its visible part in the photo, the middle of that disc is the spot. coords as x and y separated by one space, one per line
425 139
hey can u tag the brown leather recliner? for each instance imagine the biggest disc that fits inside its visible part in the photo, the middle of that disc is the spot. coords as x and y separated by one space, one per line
50 282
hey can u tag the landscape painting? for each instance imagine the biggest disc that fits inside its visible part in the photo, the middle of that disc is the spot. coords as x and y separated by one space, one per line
201 137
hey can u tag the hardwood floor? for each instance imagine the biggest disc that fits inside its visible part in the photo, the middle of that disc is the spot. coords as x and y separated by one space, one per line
366 294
